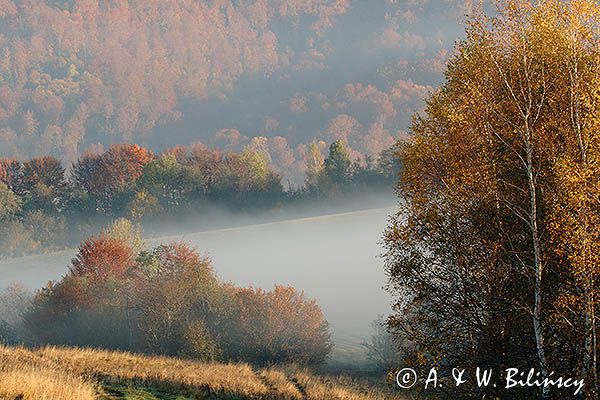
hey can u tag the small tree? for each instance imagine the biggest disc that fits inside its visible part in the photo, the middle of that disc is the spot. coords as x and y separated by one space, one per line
14 301
47 230
381 348
102 257
314 165
89 306
176 297
127 232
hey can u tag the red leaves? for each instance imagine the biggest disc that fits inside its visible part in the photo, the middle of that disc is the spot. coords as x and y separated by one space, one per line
101 257
172 303
120 166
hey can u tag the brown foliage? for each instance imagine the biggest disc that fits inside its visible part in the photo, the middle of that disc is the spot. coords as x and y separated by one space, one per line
493 254
43 171
169 301
9 170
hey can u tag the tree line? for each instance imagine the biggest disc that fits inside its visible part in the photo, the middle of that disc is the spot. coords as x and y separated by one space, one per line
493 257
44 207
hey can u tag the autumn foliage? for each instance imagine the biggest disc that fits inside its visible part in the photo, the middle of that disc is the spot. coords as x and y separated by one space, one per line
79 73
167 300
493 256
47 208
119 166
278 325
102 257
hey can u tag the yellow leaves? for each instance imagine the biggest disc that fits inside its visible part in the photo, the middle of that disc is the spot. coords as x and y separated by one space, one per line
536 69
512 138
142 204
575 216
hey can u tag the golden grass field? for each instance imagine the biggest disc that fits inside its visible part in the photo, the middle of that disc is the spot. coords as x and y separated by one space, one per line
53 373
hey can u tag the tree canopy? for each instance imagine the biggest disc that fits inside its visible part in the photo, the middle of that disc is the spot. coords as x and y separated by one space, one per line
493 256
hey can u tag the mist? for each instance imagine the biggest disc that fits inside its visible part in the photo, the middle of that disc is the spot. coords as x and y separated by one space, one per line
272 77
329 252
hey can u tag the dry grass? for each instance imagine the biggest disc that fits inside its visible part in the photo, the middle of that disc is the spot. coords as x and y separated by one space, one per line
162 373
28 383
54 373
321 388
26 377
280 383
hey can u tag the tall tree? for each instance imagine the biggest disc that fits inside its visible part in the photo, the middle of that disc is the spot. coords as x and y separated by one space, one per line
336 167
42 184
500 192
314 164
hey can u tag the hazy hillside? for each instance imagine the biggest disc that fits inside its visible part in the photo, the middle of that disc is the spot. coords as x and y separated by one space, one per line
80 73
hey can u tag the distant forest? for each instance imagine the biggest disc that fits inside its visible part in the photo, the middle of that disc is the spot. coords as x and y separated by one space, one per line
77 75
43 207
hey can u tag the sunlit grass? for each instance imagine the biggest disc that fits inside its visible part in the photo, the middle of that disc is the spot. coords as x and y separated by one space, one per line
55 373
26 382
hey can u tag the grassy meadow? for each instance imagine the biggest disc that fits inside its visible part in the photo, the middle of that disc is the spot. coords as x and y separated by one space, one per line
54 373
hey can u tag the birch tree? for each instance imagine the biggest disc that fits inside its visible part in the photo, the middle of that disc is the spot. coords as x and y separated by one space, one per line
497 239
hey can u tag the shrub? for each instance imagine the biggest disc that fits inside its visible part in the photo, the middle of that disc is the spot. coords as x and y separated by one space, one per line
14 301
16 239
48 231
177 286
10 203
278 326
199 343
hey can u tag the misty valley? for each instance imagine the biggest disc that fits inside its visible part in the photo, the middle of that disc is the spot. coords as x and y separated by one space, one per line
299 199
293 252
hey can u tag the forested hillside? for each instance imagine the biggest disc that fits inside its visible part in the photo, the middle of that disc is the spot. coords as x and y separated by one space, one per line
272 74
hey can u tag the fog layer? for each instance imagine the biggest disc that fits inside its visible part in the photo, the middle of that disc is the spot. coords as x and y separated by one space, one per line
332 258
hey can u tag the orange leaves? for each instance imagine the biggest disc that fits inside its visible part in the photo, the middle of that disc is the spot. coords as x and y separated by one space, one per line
500 193
130 71
102 257
168 300
119 167
124 163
